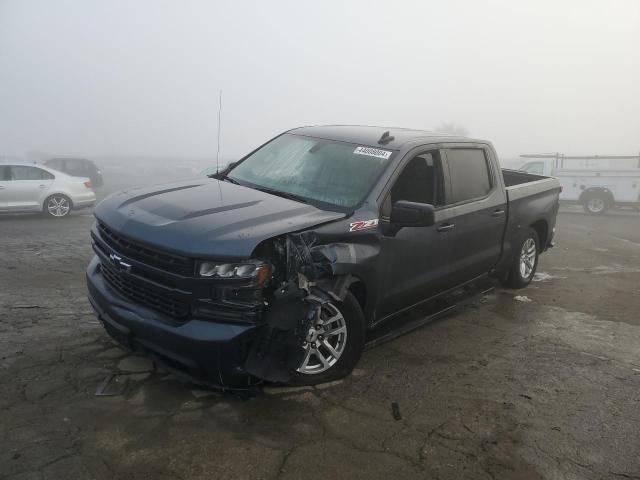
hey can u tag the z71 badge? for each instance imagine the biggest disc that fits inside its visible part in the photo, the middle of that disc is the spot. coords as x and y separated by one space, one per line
363 225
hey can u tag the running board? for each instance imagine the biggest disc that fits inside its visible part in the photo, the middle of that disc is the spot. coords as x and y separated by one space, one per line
386 334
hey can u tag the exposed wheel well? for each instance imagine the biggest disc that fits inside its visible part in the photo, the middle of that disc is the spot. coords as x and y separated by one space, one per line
542 229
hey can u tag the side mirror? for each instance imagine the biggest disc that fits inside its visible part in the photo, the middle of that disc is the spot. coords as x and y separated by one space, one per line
412 214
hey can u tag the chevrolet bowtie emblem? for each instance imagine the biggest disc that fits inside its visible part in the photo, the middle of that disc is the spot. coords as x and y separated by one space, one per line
117 261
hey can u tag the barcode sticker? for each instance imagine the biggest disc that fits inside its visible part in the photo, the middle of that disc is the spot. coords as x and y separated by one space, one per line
372 152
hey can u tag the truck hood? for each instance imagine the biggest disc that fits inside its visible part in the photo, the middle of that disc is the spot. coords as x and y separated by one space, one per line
206 218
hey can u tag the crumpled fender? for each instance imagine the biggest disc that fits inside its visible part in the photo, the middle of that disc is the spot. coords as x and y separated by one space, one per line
315 274
276 350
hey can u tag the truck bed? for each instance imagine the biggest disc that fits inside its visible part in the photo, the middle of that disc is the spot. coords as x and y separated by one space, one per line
517 177
528 195
521 184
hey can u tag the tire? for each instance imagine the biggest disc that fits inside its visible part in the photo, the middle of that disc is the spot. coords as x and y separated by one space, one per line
311 371
57 206
522 271
596 204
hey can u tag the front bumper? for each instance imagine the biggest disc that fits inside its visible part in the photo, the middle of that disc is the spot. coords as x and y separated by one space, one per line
206 351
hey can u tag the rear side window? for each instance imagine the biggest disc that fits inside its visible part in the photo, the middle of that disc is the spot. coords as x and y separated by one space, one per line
56 163
4 173
75 166
19 172
534 167
469 172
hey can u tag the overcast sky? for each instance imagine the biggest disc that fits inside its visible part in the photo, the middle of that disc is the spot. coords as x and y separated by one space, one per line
142 77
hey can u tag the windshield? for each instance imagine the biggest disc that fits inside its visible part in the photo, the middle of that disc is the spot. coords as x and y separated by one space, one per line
325 171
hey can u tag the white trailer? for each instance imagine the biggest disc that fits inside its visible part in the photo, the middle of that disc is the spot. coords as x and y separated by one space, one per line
591 181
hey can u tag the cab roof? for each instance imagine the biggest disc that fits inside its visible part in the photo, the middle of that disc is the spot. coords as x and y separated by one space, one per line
370 135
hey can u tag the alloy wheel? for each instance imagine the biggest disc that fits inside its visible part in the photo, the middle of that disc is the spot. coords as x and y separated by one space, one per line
325 341
58 206
527 258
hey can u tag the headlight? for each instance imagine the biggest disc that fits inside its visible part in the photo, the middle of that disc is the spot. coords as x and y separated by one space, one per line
258 271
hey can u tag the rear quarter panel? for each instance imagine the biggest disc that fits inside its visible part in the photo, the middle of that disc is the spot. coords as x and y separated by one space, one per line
72 187
527 204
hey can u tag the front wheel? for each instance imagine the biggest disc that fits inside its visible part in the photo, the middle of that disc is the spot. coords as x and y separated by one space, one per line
525 261
57 206
333 344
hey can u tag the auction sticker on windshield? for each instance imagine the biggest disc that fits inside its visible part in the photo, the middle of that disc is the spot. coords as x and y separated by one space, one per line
372 152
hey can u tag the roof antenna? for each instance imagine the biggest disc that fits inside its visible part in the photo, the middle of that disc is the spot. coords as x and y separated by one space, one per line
219 113
386 138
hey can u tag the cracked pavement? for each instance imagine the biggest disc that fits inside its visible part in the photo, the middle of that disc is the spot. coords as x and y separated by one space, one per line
500 389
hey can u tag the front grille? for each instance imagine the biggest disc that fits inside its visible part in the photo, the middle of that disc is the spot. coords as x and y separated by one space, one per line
149 256
142 293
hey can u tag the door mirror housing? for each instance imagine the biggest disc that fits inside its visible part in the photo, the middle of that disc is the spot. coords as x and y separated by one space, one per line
412 214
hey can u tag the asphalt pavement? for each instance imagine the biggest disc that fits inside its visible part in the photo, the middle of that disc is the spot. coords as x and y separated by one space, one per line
538 383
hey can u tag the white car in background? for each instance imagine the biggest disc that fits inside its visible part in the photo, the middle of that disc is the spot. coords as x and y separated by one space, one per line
27 187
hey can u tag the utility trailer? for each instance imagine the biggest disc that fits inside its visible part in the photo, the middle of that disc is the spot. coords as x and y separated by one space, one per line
598 183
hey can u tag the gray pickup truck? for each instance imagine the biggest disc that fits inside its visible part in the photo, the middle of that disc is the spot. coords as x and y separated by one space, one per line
278 267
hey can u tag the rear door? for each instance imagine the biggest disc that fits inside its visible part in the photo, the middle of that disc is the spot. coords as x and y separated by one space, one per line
416 260
27 187
478 196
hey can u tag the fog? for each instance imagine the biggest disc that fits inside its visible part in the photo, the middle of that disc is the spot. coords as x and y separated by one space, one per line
142 78
326 308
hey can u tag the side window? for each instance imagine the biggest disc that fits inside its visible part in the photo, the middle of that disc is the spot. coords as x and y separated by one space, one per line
74 166
469 173
534 167
56 163
4 173
19 172
420 181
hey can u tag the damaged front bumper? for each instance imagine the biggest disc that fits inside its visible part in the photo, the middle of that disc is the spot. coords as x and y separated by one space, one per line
205 351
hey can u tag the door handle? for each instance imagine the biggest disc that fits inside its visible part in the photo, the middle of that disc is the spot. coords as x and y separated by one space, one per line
43 186
497 213
2 187
445 227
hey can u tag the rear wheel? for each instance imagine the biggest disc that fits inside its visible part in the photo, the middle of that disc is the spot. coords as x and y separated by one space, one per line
57 206
525 261
596 204
333 344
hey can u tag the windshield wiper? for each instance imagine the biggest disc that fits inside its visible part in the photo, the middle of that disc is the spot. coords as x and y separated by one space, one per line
224 178
287 195
230 180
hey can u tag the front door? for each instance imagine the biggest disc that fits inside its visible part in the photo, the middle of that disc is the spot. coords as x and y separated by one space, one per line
416 259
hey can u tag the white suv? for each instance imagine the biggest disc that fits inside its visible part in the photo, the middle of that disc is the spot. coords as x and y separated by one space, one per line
27 187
